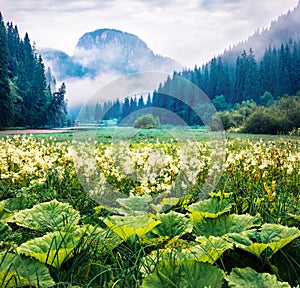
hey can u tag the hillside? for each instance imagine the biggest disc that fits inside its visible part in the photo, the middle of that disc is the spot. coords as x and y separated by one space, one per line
280 31
27 96
105 51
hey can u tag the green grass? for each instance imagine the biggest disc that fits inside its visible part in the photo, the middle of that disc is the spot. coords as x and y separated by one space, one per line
132 253
165 134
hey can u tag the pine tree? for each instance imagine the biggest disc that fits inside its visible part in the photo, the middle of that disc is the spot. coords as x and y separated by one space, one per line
133 104
50 79
98 112
116 110
251 91
213 79
141 104
13 44
223 84
149 102
125 108
58 108
205 79
40 100
267 72
295 72
6 105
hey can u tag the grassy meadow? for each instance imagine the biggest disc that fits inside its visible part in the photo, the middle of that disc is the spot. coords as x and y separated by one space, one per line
149 208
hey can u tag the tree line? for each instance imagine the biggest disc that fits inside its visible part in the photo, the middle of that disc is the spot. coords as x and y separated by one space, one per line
225 83
26 97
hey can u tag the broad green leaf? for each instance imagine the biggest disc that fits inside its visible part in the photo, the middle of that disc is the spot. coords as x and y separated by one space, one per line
105 239
8 206
53 248
165 204
248 278
198 274
223 224
175 250
126 226
210 208
51 216
20 271
134 204
172 224
204 250
210 249
271 236
184 274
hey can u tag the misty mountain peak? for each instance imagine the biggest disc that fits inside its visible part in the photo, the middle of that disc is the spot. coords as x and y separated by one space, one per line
109 50
282 30
102 37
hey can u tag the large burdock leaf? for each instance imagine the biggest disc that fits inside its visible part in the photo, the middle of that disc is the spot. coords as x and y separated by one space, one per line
211 208
223 224
184 274
271 236
178 250
166 204
204 250
127 226
51 216
8 206
20 271
53 248
247 277
210 249
105 239
134 204
172 224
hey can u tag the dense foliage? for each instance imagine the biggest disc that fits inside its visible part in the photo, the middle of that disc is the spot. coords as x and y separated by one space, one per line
145 121
248 80
226 85
26 96
54 234
282 117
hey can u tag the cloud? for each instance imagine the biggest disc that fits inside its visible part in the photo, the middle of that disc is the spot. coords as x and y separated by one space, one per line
191 32
79 91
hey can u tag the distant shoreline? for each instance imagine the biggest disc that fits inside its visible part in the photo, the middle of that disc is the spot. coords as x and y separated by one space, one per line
34 131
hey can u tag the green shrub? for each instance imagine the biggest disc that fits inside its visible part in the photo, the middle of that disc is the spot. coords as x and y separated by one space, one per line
146 121
225 118
233 118
280 118
267 121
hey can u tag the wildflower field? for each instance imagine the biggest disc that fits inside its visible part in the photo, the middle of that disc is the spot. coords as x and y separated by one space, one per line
91 211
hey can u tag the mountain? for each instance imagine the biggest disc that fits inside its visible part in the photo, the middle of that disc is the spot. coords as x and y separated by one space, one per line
64 65
258 71
106 51
286 27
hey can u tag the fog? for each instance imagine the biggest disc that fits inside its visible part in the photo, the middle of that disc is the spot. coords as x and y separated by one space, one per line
79 91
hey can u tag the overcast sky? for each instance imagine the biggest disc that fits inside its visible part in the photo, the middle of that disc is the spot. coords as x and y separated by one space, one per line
190 31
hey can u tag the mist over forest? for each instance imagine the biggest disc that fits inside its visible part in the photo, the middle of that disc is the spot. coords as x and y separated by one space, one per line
255 73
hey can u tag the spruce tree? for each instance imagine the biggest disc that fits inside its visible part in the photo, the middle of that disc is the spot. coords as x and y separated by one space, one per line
141 103
213 79
40 101
149 101
6 105
125 108
58 109
98 112
251 91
